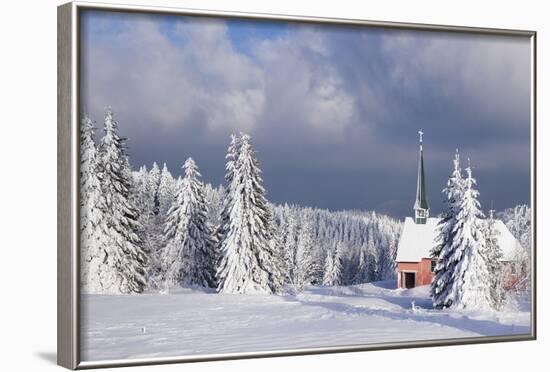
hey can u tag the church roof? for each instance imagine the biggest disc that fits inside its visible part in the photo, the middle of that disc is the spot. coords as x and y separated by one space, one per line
417 240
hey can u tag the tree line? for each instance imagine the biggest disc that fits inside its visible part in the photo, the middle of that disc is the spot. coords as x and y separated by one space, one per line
147 230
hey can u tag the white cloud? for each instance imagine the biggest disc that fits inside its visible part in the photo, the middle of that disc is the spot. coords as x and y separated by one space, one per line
303 85
152 79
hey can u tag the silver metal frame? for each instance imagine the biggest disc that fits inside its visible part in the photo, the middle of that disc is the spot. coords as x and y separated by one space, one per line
68 296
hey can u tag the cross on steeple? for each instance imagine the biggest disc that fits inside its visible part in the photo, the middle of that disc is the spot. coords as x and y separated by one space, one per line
421 134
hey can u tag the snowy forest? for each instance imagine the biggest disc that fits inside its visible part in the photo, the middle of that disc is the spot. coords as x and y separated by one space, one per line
146 230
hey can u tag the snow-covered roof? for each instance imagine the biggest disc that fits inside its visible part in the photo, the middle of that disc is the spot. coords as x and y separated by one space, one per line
418 239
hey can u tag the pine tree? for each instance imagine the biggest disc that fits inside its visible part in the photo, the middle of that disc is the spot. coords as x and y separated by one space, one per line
214 200
155 228
290 240
469 287
329 269
189 256
492 256
123 249
371 260
233 152
277 251
225 223
333 267
166 192
305 266
444 249
361 273
149 233
154 183
95 274
247 257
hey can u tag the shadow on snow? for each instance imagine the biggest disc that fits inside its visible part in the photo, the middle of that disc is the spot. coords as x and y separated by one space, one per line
423 313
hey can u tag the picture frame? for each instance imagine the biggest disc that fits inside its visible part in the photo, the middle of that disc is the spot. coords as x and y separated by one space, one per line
68 195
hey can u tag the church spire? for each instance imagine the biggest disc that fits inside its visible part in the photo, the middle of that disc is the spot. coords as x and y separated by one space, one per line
421 207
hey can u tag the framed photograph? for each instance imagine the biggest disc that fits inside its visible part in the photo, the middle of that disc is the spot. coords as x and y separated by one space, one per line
235 185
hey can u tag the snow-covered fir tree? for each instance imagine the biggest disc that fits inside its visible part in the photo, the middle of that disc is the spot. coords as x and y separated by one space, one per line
361 273
371 260
289 232
469 287
189 256
150 232
493 255
247 258
155 227
386 251
349 261
166 191
142 195
227 201
277 252
123 250
443 251
232 156
154 182
304 265
214 200
94 272
333 267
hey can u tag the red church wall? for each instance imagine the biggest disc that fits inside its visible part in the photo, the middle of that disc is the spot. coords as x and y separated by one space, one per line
422 270
514 275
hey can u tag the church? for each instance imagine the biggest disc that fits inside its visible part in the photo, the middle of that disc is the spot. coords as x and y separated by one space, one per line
414 265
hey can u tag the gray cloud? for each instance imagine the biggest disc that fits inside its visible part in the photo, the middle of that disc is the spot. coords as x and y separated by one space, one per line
333 111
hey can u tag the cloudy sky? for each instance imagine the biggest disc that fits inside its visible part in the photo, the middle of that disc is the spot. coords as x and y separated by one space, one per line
333 111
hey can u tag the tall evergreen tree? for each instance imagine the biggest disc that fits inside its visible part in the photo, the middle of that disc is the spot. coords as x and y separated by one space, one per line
305 267
166 192
277 252
227 202
492 256
149 233
123 250
232 156
443 250
361 273
247 256
289 241
333 267
143 199
154 183
95 274
469 286
189 256
371 260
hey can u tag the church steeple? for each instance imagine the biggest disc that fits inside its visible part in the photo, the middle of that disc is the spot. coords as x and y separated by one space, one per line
421 207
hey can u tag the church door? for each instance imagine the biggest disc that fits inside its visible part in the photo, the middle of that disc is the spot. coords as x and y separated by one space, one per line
410 280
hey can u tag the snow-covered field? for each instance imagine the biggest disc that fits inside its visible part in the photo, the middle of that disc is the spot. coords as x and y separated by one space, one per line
194 322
